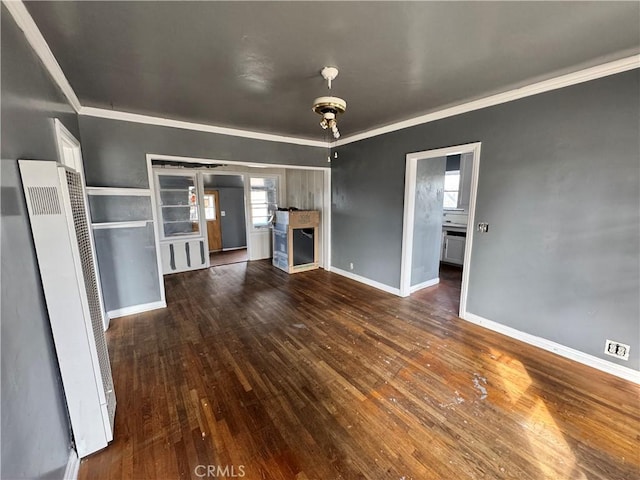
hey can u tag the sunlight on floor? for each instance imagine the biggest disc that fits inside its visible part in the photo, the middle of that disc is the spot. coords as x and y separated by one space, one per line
540 427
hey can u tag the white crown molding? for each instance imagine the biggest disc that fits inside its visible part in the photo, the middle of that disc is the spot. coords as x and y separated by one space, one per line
562 350
199 127
581 76
26 23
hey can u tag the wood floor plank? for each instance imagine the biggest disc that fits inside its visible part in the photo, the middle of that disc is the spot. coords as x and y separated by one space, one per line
313 376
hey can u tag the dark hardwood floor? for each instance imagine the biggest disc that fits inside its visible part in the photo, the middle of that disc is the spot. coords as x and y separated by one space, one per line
314 376
226 258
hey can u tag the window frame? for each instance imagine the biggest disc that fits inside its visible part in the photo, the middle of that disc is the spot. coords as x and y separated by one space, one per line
278 190
457 190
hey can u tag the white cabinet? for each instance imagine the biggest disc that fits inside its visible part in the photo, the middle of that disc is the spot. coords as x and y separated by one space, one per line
183 255
183 239
453 249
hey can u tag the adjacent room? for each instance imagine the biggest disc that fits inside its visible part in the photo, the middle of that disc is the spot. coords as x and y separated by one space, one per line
320 240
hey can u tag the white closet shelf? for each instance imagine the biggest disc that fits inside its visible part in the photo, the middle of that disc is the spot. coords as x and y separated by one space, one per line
118 191
132 224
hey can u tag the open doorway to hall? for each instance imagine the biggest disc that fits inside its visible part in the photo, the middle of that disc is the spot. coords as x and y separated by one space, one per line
211 213
439 213
224 211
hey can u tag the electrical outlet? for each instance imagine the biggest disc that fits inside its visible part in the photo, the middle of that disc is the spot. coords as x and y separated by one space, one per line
483 227
351 266
617 349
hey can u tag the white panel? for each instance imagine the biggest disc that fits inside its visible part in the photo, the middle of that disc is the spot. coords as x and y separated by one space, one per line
454 249
180 261
180 256
198 259
165 253
260 244
66 268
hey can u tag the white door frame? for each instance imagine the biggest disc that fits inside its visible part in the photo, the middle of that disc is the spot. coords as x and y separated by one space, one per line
326 201
70 155
409 214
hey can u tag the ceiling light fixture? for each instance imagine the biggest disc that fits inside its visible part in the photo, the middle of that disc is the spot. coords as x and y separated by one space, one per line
329 107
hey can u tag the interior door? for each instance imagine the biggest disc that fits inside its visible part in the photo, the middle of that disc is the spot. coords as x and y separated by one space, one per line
212 216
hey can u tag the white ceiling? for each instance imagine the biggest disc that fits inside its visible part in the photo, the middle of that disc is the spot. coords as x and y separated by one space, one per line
255 65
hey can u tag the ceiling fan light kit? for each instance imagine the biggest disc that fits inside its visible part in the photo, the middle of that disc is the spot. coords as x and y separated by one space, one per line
329 107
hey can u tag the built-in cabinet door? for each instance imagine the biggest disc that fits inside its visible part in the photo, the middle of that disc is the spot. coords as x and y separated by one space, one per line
183 237
183 255
453 249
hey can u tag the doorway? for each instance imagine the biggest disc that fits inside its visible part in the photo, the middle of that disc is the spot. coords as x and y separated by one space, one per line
225 215
438 216
310 188
212 217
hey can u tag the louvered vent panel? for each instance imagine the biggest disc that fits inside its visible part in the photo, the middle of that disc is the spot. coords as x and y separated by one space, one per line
44 200
88 269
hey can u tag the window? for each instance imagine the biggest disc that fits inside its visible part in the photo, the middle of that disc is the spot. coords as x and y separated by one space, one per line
264 200
209 206
451 188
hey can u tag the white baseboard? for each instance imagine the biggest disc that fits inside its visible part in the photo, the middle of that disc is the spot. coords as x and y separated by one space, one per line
73 466
234 248
366 281
428 283
123 312
567 352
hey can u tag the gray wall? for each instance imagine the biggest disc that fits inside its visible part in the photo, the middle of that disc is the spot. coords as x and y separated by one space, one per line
115 151
128 266
560 188
35 428
233 224
114 154
427 222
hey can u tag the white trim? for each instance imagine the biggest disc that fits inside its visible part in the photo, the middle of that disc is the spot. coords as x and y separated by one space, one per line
410 181
198 127
232 249
73 466
66 143
156 227
134 309
64 138
131 224
38 43
210 161
581 76
116 191
409 214
428 283
366 281
567 352
326 221
471 227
